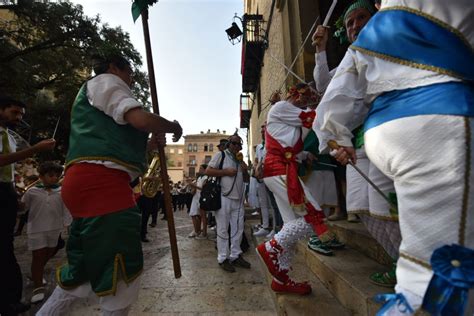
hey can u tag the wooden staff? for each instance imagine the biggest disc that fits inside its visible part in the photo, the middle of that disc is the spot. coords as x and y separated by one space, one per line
161 151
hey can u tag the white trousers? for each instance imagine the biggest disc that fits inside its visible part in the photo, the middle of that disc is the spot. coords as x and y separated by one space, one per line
322 185
277 185
264 201
430 159
60 301
231 212
252 195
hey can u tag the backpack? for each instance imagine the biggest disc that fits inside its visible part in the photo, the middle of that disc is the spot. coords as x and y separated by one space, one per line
210 199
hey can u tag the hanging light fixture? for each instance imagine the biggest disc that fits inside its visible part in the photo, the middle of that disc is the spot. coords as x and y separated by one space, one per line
234 33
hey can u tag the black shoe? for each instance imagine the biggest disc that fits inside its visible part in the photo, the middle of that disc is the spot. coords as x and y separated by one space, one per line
241 262
227 266
153 224
145 240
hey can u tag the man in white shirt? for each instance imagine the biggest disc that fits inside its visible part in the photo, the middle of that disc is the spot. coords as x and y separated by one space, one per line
417 132
232 176
11 113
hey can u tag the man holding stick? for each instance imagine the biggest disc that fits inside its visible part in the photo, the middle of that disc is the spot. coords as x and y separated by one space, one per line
108 142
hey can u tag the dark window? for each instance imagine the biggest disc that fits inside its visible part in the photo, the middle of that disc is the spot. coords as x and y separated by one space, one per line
190 147
211 147
192 172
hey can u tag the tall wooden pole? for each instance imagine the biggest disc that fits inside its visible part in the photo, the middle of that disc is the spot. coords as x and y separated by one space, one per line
161 151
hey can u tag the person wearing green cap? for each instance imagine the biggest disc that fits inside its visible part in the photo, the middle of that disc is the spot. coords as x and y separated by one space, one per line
361 200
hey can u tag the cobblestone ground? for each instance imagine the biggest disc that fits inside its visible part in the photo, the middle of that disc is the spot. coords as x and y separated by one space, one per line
203 289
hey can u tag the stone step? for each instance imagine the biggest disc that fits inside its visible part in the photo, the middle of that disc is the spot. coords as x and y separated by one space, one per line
319 302
346 276
356 236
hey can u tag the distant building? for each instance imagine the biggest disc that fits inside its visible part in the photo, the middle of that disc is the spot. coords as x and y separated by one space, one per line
199 149
175 161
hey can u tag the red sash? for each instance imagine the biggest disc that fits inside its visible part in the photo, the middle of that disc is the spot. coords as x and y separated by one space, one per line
282 161
90 190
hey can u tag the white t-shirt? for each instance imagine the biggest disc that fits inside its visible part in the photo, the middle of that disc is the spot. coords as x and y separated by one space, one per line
47 210
236 191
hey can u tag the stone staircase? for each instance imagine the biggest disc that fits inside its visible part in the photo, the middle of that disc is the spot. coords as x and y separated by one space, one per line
340 283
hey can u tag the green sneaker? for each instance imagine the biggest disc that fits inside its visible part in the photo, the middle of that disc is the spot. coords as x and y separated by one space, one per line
317 246
385 279
334 244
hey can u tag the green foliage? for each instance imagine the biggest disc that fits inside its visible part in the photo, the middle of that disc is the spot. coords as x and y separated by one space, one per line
45 56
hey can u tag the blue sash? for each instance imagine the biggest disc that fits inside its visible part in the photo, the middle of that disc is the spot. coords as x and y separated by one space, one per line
407 37
451 98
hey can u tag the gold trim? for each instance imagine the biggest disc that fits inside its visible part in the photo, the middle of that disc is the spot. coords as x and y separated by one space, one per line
467 176
422 263
413 64
407 63
118 259
102 158
432 19
381 217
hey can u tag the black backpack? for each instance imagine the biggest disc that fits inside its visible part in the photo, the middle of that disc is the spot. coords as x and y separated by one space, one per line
210 199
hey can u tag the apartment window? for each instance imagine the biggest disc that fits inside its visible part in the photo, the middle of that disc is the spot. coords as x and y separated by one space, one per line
192 160
171 150
180 151
190 147
195 147
206 148
207 159
211 147
192 172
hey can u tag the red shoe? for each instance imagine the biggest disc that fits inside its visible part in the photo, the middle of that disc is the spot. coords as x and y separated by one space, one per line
291 286
271 260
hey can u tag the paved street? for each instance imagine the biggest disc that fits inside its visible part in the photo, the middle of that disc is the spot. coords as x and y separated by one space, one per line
203 289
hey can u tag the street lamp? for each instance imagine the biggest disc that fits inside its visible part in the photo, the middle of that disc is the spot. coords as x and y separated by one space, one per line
234 33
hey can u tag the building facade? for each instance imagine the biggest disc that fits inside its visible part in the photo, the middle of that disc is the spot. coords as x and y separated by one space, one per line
199 149
175 161
283 27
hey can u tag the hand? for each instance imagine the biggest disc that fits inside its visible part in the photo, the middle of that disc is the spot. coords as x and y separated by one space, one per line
344 155
320 38
44 145
230 172
244 166
178 132
156 141
310 158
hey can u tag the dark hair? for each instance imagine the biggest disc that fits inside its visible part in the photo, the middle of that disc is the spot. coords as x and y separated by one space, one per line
204 166
6 102
101 63
50 166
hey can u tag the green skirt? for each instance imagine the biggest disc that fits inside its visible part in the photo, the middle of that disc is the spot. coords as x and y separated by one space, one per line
101 250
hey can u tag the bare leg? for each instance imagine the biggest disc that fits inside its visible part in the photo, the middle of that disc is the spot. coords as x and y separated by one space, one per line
203 222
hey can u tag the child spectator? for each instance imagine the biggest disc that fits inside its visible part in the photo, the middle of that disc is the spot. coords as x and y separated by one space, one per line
47 218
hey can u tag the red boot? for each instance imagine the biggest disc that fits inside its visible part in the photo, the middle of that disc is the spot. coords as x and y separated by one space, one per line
271 260
291 286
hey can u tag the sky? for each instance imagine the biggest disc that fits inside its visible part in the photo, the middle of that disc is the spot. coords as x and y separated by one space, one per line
197 69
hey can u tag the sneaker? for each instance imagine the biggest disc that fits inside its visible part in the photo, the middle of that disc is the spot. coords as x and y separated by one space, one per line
255 213
291 286
38 295
241 262
336 217
270 235
353 218
201 237
270 258
318 246
213 227
257 227
261 232
227 266
335 243
385 279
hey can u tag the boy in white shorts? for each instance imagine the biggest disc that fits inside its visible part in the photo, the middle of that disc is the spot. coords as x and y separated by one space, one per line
47 218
